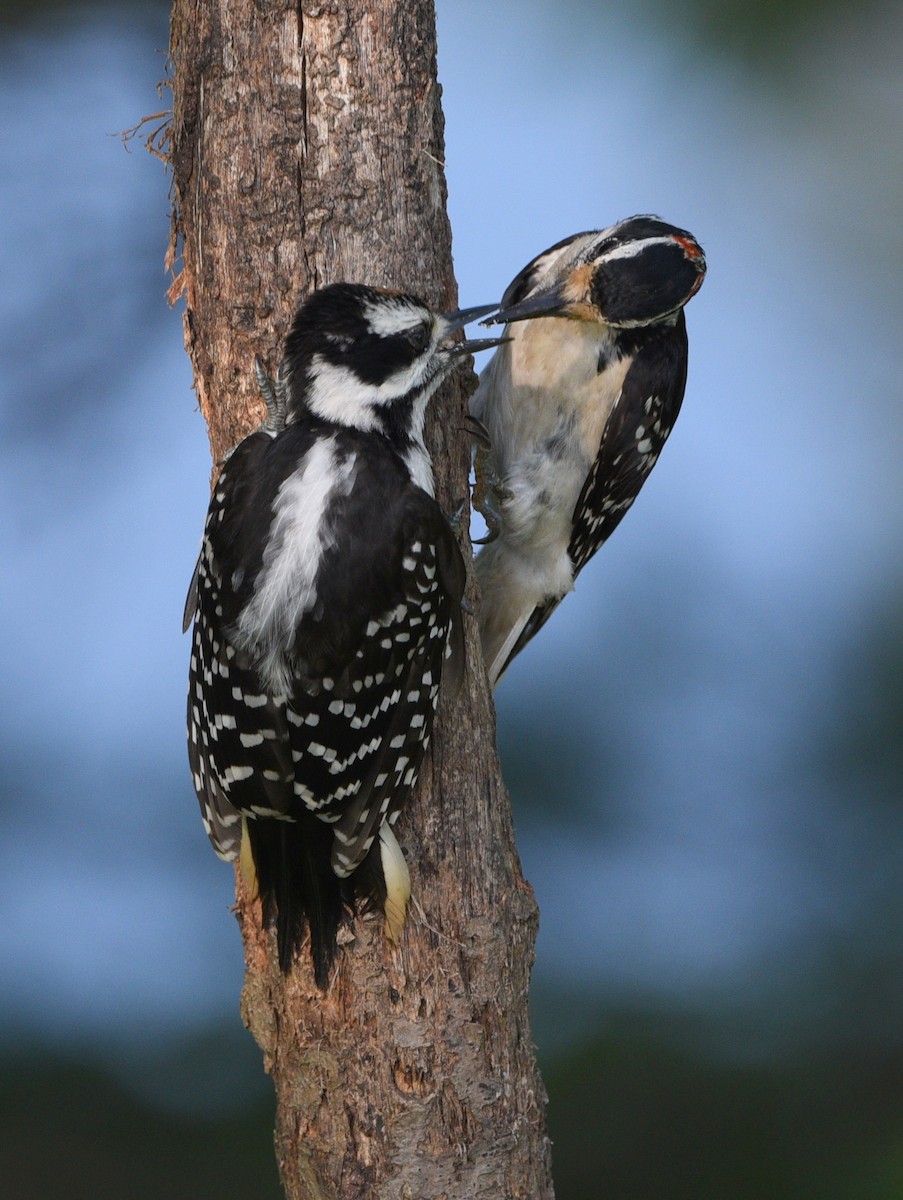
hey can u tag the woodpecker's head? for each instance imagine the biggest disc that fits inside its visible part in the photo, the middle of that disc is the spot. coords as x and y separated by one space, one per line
638 272
355 352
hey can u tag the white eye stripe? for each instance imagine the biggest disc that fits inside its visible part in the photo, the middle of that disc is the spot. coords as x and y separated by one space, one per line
392 316
336 393
632 248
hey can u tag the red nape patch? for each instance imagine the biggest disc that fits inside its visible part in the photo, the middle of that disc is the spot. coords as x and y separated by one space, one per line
690 248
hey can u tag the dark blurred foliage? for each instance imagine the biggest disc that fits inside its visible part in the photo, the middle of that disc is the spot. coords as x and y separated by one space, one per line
866 744
50 13
70 1129
635 1113
800 1098
761 33
767 33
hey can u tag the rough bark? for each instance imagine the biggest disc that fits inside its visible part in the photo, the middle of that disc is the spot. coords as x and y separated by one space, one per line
307 147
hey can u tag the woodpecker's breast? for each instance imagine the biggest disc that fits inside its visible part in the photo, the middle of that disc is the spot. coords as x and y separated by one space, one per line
545 402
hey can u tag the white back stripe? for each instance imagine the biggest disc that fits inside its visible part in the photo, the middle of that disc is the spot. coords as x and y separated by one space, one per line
286 586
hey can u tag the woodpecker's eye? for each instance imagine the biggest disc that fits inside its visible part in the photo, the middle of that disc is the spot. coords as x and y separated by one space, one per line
342 342
604 247
419 337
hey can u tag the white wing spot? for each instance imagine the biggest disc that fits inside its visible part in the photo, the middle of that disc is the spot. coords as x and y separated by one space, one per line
237 774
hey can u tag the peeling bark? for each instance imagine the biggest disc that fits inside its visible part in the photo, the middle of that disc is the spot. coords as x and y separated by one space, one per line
307 147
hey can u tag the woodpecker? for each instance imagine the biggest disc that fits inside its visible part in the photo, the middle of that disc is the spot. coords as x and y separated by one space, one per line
578 405
326 601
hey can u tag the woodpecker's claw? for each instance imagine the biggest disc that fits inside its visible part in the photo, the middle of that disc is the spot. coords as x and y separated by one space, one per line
264 383
488 494
477 431
275 395
490 537
485 476
456 516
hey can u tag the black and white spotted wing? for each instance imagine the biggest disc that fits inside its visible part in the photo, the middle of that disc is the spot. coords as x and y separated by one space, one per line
328 596
632 440
215 669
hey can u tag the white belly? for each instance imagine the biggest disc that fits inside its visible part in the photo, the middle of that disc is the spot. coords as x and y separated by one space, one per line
545 404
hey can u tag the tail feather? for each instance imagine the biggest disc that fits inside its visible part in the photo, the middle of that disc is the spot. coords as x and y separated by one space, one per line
506 606
397 879
246 860
298 889
516 601
499 650
382 882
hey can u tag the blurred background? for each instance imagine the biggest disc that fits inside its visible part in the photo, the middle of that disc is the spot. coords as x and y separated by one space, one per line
703 748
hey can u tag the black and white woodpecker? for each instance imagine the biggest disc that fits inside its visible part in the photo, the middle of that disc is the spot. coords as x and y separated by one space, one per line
326 601
577 406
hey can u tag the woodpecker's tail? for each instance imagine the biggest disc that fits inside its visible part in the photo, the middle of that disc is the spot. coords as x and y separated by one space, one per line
298 888
505 609
382 883
515 604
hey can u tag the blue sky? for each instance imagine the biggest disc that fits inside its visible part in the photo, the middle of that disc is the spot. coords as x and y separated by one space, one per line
698 661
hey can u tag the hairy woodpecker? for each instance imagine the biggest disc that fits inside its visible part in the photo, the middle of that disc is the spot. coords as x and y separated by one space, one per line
577 412
326 599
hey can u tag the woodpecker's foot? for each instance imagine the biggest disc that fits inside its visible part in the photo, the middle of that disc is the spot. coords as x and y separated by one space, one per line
477 431
488 494
267 389
457 515
274 394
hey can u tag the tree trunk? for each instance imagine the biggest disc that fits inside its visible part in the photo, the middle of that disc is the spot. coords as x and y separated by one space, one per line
307 147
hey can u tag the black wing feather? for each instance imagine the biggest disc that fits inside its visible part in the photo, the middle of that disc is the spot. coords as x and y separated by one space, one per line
646 411
316 771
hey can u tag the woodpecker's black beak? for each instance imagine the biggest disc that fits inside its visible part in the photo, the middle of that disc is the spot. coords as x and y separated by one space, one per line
550 303
453 321
475 345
